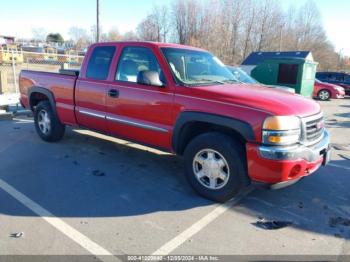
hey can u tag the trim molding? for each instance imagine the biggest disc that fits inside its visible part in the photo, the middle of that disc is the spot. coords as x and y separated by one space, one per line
137 124
91 114
123 121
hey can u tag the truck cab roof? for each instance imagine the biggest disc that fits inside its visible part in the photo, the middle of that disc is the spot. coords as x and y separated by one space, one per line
149 44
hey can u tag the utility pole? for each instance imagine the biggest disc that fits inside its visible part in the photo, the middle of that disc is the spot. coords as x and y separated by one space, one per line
97 21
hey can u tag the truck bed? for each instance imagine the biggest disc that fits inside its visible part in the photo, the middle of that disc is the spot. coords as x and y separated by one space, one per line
60 85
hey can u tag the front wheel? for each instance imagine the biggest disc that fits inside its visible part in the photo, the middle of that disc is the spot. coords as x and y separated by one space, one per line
215 166
47 124
324 95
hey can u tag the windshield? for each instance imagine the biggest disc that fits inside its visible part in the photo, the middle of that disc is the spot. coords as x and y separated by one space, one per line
191 67
241 75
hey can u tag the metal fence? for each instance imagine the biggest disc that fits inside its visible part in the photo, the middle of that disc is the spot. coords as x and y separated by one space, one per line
12 64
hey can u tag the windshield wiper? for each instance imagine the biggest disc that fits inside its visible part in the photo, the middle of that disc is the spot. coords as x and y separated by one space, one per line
210 81
232 81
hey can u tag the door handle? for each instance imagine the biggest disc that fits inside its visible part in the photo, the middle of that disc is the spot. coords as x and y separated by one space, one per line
113 93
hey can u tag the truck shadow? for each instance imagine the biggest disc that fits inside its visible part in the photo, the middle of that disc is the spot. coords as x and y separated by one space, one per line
318 203
86 176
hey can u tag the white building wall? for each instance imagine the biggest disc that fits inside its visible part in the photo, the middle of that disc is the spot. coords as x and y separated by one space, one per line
247 68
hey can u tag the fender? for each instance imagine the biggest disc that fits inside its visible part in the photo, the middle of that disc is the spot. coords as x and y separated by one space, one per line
44 91
243 128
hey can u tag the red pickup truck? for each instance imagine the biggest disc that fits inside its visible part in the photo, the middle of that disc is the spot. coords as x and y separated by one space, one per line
184 100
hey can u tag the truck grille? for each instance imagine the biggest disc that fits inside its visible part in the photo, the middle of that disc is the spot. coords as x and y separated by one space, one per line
313 127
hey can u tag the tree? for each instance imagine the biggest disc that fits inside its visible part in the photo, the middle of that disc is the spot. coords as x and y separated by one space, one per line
93 33
54 38
248 27
80 37
77 33
114 35
186 18
155 26
148 29
130 36
232 29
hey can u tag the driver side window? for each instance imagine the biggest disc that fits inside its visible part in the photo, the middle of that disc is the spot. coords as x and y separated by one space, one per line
135 60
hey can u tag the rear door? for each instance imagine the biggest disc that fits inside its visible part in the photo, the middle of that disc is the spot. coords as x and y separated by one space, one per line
142 113
91 88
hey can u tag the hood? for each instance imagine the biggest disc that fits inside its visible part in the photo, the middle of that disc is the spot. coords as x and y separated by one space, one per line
273 101
282 88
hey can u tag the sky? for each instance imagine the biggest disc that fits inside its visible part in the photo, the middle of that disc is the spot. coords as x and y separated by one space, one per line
19 17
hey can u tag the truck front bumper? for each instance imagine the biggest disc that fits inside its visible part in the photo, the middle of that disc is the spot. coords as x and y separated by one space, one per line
278 167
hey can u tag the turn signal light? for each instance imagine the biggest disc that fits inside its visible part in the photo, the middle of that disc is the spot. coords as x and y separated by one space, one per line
275 139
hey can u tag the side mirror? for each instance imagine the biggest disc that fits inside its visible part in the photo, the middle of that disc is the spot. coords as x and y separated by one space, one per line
151 78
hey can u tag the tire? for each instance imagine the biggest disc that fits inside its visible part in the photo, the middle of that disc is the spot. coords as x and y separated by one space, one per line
220 154
324 95
47 124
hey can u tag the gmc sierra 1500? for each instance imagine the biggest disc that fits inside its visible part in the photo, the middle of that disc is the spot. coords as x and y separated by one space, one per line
184 100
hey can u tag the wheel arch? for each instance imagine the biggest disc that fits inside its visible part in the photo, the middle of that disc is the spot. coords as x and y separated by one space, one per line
37 94
191 124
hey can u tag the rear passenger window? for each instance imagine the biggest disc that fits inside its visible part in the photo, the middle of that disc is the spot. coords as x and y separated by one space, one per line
100 62
134 60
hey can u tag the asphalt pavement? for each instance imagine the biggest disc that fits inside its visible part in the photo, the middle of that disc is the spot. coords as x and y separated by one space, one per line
92 194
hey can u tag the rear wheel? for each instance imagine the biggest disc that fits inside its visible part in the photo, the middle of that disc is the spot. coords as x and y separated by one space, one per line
215 166
47 124
324 95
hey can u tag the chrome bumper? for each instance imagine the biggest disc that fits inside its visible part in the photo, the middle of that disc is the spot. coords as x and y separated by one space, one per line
296 152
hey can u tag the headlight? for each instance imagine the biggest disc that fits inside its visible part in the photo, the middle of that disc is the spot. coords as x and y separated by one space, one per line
281 130
339 88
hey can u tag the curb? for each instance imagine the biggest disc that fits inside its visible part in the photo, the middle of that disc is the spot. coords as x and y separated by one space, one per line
27 113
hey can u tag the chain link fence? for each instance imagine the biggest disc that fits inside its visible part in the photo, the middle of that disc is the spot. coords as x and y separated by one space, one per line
12 62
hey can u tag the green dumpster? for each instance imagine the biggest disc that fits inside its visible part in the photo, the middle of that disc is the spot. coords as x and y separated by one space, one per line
297 73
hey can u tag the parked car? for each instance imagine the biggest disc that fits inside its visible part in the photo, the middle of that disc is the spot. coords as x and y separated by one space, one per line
337 78
325 91
185 101
243 77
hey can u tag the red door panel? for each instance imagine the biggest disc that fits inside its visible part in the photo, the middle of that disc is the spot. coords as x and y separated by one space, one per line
141 113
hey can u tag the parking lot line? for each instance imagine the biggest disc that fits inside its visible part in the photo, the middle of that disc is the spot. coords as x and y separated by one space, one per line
19 120
200 224
59 224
